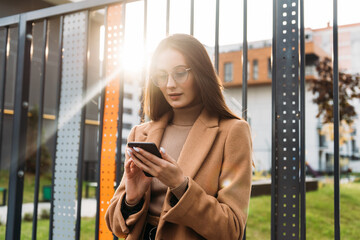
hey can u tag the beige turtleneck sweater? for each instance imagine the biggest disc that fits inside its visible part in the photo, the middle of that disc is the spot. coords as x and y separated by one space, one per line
172 141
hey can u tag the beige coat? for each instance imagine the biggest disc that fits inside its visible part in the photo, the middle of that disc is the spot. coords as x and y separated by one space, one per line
217 159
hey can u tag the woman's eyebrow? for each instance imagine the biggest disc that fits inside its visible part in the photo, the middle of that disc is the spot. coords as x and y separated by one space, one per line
180 66
162 69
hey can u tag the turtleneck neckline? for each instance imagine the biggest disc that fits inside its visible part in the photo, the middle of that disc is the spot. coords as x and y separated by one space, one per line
186 116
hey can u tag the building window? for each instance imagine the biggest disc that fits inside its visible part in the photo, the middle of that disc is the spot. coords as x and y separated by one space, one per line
269 68
228 72
322 140
354 147
255 69
128 110
128 95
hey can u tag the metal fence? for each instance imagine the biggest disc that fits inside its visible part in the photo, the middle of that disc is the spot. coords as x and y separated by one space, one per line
72 40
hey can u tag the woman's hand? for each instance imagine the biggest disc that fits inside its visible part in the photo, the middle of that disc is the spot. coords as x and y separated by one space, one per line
165 169
136 183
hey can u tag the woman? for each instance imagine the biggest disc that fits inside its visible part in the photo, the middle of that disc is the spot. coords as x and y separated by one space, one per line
200 188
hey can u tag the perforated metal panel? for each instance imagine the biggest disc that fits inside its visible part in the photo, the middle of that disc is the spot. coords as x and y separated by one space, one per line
110 124
68 139
287 120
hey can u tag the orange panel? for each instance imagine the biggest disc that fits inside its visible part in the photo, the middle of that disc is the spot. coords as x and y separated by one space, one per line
107 172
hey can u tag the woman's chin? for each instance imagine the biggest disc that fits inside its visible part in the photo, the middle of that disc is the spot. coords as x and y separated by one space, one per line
176 105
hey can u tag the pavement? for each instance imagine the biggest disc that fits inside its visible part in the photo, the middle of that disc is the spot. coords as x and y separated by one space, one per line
88 209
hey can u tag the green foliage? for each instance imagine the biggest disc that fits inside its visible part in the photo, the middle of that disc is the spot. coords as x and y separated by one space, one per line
45 214
28 217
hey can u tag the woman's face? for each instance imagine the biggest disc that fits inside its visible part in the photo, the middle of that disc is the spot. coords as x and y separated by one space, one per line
177 94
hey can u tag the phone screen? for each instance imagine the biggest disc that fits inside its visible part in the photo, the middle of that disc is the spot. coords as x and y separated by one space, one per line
147 146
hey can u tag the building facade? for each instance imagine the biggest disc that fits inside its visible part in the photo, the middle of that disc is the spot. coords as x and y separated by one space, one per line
319 147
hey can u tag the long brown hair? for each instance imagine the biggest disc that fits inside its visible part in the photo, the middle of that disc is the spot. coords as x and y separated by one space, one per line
209 84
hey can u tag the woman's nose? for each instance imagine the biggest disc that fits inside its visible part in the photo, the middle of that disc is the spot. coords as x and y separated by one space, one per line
170 82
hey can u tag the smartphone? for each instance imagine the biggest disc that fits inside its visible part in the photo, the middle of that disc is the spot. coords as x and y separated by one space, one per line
147 146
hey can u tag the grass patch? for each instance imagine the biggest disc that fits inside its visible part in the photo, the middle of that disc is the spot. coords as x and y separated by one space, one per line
29 186
319 214
87 229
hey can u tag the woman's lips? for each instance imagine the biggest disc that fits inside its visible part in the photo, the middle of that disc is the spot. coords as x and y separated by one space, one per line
174 96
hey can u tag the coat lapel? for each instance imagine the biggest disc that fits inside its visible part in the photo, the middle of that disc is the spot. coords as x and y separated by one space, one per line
198 143
196 147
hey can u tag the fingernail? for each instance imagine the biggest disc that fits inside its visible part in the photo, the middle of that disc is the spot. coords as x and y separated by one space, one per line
162 150
136 149
129 152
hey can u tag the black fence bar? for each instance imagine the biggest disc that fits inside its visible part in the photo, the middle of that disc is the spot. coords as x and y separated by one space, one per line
57 109
192 17
244 77
18 149
245 62
302 126
336 123
217 36
102 107
60 10
118 157
10 20
82 130
286 66
167 17
274 159
39 130
70 8
3 86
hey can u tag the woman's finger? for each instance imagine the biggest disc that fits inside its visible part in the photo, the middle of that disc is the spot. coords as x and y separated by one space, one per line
147 158
165 156
133 167
143 166
129 152
127 165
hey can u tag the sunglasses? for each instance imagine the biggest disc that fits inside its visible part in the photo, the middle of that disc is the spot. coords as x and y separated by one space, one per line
179 75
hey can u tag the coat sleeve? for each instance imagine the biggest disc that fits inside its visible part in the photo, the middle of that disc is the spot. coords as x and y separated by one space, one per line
223 216
114 219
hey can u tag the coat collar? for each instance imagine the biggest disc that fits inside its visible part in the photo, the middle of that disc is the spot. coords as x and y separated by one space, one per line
197 144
